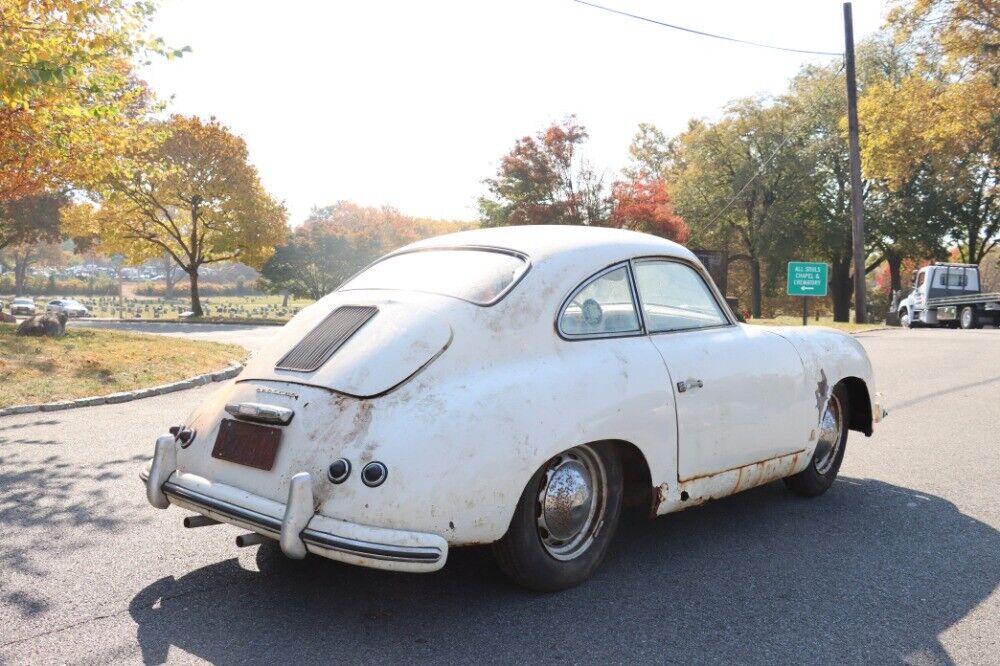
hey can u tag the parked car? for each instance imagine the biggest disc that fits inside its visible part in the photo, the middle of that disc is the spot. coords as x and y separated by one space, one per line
69 307
23 305
513 387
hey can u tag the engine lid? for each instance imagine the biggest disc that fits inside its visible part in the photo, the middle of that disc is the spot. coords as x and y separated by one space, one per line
353 345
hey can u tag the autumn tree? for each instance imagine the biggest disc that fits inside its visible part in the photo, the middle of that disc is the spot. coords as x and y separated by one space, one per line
30 220
643 204
68 91
337 241
187 189
544 180
943 118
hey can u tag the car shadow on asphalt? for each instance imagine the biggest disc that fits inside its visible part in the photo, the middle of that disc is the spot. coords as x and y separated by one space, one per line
868 573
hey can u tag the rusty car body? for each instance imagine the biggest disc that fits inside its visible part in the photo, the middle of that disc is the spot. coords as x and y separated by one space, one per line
512 387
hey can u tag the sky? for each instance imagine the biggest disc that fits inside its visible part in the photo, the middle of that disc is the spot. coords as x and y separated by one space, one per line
412 104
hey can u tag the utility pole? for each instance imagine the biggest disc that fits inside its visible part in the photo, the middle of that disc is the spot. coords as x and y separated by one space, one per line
857 217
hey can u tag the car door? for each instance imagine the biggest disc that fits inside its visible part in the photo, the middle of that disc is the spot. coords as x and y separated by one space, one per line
739 390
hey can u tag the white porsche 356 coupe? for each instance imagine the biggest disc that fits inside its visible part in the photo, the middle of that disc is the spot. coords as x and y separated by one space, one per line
511 387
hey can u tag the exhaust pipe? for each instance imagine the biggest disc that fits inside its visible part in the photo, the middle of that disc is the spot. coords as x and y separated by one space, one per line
252 539
199 521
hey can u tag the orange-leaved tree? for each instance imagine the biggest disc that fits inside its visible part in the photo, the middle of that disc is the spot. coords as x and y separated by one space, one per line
643 204
185 188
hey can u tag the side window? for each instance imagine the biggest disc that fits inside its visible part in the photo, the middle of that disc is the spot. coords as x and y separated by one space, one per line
603 306
674 297
920 278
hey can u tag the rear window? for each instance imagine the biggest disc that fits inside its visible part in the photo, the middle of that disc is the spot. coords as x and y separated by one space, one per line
482 277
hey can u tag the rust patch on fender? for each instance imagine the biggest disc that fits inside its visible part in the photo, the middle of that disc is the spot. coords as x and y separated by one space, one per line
822 394
659 497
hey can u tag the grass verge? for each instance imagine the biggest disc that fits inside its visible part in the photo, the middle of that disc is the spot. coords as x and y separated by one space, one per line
89 362
786 320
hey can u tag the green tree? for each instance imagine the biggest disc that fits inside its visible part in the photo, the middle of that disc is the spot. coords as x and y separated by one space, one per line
740 184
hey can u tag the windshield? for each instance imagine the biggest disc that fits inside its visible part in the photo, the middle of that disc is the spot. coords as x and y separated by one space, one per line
479 276
22 300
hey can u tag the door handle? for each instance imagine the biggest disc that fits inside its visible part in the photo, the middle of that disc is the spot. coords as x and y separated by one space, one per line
688 384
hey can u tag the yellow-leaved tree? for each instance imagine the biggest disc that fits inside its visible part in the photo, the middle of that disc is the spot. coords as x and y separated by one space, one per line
187 188
943 118
68 91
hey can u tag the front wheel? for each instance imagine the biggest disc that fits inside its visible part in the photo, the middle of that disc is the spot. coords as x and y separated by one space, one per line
564 520
905 320
831 442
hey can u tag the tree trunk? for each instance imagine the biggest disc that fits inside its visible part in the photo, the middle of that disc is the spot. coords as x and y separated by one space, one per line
841 286
20 274
168 275
895 261
755 296
284 298
195 298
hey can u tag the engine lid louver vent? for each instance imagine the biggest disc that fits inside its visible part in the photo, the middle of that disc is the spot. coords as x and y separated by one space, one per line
323 341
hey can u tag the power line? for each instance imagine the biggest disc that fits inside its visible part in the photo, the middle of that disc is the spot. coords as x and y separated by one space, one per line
760 170
705 34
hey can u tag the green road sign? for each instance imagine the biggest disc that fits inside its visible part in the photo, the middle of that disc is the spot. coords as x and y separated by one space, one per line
806 278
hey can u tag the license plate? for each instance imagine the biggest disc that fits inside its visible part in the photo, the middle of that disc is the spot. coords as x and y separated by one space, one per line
247 444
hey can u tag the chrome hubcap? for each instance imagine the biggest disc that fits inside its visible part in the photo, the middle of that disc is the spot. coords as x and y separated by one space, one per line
571 501
831 427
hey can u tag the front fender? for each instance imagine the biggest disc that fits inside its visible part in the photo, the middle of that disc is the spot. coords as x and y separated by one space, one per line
830 357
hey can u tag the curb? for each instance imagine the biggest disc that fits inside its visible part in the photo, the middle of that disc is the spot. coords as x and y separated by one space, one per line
228 372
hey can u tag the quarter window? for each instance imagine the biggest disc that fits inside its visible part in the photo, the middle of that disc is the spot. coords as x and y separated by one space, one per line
674 297
604 306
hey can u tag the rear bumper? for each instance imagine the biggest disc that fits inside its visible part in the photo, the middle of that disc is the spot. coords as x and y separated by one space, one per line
296 528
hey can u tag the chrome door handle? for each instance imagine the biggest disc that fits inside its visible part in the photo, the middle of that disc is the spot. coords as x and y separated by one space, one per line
689 384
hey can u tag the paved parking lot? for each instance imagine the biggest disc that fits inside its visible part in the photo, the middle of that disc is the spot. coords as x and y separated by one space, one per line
898 563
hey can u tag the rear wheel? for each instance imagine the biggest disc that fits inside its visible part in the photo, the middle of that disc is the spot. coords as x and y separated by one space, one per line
564 521
969 317
831 442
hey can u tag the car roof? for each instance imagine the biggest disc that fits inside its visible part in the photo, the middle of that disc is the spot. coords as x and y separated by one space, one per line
539 242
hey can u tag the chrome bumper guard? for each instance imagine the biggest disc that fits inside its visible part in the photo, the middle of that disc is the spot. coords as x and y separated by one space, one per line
292 531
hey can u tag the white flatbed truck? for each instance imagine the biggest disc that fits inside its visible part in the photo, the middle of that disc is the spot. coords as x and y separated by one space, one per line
948 295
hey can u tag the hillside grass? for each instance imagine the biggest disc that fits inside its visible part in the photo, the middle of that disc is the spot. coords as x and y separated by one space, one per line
91 362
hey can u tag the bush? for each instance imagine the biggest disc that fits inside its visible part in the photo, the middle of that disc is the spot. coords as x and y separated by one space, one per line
159 289
40 286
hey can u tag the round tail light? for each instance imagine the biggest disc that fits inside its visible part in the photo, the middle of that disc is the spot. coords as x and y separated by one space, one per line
374 474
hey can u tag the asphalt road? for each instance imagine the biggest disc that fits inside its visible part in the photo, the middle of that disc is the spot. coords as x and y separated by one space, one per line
898 563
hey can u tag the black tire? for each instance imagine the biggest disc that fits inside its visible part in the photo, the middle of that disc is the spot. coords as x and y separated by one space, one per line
521 553
817 478
968 317
906 319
